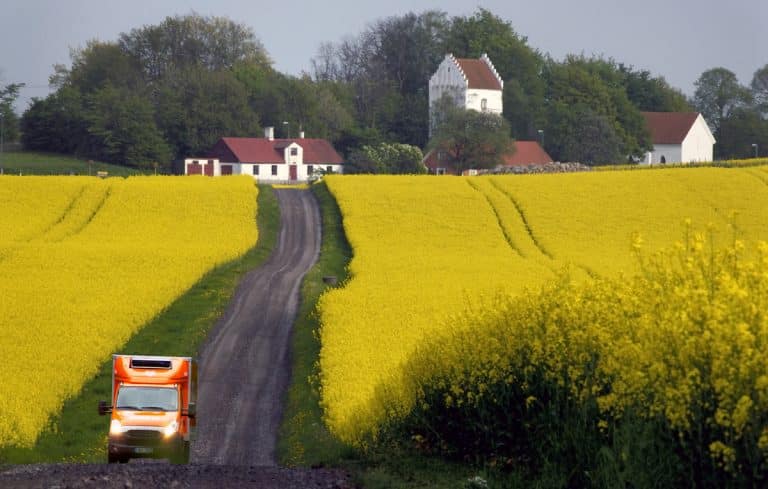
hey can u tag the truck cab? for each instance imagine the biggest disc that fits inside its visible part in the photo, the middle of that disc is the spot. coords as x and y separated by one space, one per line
152 411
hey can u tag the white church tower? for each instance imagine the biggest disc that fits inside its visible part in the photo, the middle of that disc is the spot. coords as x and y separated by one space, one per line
472 83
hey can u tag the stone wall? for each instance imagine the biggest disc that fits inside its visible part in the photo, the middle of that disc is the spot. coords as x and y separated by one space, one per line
545 168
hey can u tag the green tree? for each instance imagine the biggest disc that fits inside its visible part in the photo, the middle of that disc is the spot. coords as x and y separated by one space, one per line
312 107
739 131
579 134
99 64
177 76
389 158
759 88
122 129
591 87
518 64
10 121
470 139
55 123
182 42
718 93
196 107
387 67
651 94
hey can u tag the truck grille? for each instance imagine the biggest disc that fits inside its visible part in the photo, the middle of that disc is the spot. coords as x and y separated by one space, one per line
143 435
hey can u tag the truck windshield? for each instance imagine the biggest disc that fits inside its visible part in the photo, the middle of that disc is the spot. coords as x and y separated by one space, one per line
148 398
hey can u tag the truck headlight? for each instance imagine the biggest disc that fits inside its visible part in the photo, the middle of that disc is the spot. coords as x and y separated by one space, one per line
171 429
116 428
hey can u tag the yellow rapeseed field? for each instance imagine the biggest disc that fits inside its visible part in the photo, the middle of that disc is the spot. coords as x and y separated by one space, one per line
434 256
84 263
588 218
423 249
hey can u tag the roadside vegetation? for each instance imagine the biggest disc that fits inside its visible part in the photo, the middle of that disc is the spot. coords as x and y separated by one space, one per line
77 433
304 439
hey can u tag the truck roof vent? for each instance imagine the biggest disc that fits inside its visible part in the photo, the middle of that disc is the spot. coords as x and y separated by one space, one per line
150 363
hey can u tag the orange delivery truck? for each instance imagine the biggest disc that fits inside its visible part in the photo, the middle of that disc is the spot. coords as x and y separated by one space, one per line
152 408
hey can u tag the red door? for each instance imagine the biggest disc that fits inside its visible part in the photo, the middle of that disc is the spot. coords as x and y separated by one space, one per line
194 169
226 169
293 175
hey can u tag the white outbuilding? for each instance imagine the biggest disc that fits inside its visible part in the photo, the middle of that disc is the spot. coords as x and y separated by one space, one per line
678 137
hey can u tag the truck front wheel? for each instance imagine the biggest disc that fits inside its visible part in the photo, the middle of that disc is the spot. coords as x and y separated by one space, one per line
113 459
182 456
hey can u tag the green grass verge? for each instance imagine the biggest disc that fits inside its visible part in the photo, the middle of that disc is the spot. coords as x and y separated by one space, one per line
78 433
304 440
34 163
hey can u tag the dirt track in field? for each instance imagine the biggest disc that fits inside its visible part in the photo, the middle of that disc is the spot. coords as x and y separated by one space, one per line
244 371
245 363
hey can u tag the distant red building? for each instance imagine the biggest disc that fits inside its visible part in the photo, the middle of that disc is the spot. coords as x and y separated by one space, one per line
526 153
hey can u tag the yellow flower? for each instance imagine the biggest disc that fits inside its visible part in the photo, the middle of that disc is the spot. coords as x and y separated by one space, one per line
92 261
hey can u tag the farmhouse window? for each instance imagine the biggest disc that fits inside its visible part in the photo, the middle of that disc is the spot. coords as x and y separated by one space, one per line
294 151
484 104
310 169
274 170
255 169
329 169
440 171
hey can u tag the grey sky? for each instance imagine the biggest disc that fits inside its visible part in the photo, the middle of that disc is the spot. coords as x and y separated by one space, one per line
678 39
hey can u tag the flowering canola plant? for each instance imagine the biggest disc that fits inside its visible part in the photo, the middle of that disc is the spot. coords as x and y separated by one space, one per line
685 340
87 263
423 250
437 259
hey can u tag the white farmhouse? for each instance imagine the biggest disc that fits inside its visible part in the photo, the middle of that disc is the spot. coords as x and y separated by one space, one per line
678 137
472 83
268 159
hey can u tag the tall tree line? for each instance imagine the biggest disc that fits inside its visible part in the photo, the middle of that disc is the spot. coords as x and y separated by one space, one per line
737 114
588 108
171 90
166 91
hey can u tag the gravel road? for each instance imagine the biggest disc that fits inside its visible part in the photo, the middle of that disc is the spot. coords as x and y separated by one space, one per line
245 363
244 372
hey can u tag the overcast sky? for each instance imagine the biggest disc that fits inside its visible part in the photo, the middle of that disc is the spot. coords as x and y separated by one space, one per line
677 39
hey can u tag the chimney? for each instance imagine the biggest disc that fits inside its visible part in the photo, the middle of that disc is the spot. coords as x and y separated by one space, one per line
301 134
269 133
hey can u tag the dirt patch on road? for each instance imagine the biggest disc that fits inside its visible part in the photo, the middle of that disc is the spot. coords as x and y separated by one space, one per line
160 474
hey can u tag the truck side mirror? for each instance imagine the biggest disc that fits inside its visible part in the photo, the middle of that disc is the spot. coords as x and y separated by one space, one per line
191 411
104 408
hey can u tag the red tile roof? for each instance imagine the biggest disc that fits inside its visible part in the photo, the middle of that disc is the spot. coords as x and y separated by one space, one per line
479 74
669 127
527 153
261 150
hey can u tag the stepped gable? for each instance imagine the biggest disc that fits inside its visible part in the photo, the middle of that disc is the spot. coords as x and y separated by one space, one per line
480 73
